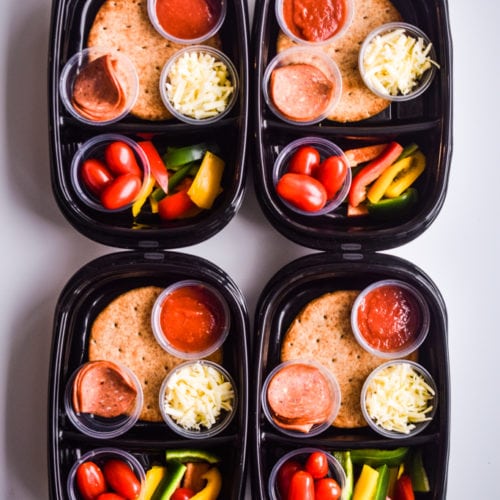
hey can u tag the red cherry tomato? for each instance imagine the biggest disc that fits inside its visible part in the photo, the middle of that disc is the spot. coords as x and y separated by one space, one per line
285 473
301 486
304 192
331 173
90 480
304 161
327 489
120 159
317 464
122 479
182 494
95 175
110 496
121 191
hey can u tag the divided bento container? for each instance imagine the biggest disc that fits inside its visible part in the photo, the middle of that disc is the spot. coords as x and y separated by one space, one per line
283 297
425 120
348 245
85 295
147 260
71 22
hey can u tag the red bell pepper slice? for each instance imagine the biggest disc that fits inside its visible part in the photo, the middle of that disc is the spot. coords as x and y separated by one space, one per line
403 489
158 168
371 171
178 204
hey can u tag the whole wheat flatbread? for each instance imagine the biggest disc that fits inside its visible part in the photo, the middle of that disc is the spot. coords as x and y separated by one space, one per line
124 25
122 333
322 331
357 102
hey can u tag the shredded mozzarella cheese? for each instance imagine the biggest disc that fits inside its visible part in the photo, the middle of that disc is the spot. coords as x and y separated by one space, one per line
395 62
196 395
198 85
398 397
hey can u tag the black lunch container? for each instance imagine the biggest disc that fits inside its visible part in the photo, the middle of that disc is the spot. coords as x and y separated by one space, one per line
147 260
348 257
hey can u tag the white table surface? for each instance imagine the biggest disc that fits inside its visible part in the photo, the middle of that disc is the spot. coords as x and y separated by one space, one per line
40 251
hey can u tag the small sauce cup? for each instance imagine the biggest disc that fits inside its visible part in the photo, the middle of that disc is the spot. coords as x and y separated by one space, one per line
170 20
190 319
390 319
124 76
321 23
302 85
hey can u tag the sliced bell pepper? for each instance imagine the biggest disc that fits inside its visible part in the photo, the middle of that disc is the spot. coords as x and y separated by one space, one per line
382 483
344 458
176 205
214 485
377 457
175 157
206 184
365 486
392 208
408 176
379 187
147 189
418 474
154 477
363 154
158 168
371 171
175 179
403 489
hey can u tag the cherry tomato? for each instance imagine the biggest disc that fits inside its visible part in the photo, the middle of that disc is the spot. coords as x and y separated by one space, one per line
317 464
110 496
120 159
90 480
285 473
182 494
95 175
304 192
304 161
301 486
121 191
331 173
121 478
327 489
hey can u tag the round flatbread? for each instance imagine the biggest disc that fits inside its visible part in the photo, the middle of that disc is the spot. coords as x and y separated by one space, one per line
357 102
322 332
124 25
122 333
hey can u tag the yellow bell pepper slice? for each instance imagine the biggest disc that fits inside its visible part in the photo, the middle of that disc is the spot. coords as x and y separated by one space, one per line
154 205
407 177
397 178
154 476
206 184
214 485
146 190
366 485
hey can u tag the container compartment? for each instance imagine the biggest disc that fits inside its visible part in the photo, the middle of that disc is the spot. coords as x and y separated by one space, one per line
70 25
284 296
425 120
92 288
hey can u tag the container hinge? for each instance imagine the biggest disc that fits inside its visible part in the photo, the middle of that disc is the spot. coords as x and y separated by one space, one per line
352 256
352 251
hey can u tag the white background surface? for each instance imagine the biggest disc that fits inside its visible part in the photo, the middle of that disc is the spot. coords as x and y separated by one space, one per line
40 251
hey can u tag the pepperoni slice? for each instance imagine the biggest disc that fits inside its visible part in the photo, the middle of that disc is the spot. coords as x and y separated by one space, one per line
98 93
299 396
103 389
300 92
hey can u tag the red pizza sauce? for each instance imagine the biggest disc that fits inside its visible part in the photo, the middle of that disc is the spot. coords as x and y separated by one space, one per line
389 318
314 20
188 19
192 319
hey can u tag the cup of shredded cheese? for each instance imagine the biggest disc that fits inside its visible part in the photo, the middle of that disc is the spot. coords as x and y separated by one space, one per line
199 85
198 399
397 61
399 399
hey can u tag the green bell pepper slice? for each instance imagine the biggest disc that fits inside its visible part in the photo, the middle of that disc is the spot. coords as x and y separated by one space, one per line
393 208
